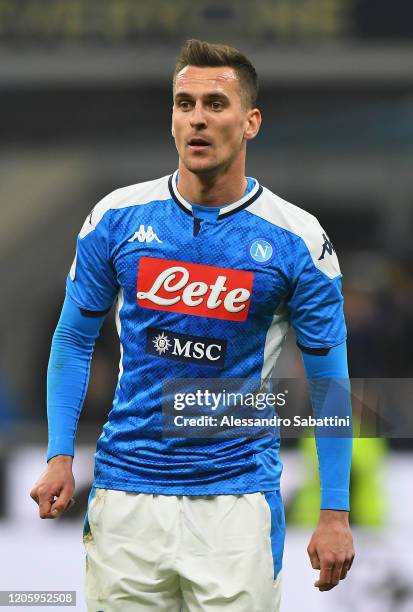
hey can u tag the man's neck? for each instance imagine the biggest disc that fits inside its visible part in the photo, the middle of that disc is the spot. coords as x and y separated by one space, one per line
216 190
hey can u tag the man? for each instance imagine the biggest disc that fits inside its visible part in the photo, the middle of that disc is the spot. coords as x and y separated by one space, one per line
208 269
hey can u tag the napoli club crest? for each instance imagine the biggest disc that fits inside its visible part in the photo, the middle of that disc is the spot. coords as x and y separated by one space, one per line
260 251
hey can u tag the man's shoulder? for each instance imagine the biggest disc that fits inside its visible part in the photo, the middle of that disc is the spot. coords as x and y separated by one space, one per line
302 226
131 195
284 214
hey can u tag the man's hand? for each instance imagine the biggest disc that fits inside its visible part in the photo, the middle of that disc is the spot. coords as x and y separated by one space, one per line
331 548
54 489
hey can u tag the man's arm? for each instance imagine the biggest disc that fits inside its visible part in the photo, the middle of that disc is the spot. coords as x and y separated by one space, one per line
67 380
331 546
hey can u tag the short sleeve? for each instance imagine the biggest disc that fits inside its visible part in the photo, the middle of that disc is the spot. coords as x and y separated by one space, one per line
91 282
315 303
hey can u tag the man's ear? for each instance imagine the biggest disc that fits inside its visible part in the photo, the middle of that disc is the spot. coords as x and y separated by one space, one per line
253 124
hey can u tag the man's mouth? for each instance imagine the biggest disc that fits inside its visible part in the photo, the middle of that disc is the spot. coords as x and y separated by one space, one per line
198 143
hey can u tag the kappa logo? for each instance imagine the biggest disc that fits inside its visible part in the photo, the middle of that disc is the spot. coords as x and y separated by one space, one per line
185 347
143 235
195 289
327 247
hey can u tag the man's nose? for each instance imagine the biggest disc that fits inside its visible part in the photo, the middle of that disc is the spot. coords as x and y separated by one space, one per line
198 118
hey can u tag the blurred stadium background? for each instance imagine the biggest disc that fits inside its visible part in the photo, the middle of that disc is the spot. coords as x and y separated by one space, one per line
85 90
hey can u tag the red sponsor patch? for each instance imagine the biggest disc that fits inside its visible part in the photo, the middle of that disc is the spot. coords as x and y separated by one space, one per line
196 289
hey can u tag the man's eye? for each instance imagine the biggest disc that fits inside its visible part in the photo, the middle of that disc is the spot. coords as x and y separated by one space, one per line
217 105
184 105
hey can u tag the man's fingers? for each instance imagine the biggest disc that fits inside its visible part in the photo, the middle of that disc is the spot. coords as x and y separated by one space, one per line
336 572
59 509
314 560
333 543
34 495
53 491
331 573
324 581
347 566
62 503
344 570
45 505
54 502
71 503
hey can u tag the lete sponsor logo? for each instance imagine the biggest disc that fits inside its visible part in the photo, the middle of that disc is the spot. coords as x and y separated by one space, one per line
196 289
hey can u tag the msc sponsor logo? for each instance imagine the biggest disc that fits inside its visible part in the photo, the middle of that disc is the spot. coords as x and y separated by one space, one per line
196 289
186 348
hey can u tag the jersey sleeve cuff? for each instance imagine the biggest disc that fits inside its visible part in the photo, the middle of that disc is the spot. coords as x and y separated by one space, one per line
335 499
60 446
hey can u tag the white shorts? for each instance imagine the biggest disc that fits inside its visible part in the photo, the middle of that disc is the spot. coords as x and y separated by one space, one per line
170 553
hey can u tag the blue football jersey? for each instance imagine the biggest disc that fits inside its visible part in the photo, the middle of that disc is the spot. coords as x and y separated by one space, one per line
199 298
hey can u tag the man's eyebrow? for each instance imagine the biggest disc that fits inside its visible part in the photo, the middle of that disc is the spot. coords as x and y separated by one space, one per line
209 96
217 95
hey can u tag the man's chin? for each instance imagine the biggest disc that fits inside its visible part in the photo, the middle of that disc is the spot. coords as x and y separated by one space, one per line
201 167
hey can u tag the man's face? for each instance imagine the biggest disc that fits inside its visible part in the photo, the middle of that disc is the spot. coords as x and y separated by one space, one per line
209 121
